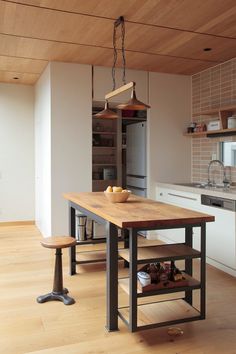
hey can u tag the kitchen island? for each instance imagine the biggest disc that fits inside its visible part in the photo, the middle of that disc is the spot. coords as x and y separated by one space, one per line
138 214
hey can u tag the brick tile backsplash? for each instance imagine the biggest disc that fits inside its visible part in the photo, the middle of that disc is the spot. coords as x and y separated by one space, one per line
211 88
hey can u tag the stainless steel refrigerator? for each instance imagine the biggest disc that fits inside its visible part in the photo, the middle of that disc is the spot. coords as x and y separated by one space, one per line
136 166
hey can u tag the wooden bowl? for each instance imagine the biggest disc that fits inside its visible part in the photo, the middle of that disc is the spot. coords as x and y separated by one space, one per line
117 197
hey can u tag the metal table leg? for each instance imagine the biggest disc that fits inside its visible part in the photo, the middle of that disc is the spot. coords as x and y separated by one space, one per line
133 280
203 271
189 262
112 278
126 244
72 250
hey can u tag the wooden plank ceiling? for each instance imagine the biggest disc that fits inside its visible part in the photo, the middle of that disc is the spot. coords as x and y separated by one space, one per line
161 35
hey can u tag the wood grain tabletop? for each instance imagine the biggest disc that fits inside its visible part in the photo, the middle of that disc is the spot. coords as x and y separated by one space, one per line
137 211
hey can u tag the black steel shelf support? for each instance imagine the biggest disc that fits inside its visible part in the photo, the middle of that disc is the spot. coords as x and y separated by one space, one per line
112 275
72 250
133 280
203 272
189 262
126 244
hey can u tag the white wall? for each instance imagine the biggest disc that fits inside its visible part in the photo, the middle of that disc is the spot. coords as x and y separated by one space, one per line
169 152
16 152
63 115
63 136
71 88
43 152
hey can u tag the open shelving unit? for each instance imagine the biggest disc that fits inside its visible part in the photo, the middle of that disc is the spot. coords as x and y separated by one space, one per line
104 152
164 311
222 113
212 133
109 146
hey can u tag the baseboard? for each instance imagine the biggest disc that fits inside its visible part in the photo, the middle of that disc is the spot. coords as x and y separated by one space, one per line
17 223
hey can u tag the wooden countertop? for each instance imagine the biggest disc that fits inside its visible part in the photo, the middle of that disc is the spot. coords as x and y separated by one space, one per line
137 211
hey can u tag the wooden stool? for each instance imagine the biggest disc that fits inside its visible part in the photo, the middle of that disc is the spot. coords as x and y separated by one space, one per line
58 292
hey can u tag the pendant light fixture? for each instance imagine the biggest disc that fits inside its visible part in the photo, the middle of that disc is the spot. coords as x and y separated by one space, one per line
133 104
106 112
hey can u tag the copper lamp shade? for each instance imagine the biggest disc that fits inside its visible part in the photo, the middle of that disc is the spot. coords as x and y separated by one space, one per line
133 104
106 113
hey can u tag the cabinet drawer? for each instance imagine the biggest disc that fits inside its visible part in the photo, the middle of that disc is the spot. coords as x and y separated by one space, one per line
179 198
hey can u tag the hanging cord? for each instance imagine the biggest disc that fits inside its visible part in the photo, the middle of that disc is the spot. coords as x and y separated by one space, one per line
114 56
123 49
119 21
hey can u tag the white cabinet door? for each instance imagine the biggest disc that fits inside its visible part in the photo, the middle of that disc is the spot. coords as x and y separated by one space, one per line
102 84
185 200
220 236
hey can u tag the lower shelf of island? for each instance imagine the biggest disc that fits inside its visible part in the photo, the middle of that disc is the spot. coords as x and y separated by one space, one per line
162 313
165 288
91 256
162 253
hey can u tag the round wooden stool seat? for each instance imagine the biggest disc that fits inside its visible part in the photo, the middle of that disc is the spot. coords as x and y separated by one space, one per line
58 292
58 242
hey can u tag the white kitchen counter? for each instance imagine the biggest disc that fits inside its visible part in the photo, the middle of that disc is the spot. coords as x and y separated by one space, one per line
221 234
217 192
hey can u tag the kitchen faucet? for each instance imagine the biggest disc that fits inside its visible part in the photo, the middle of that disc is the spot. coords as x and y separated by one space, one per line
225 181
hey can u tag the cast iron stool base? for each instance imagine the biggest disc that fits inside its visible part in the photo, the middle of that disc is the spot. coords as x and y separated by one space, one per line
67 300
58 293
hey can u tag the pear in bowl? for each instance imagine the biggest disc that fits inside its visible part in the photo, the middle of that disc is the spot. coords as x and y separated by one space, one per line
117 194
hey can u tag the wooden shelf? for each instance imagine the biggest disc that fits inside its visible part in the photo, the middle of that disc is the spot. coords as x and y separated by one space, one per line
98 118
135 118
102 181
173 311
104 132
192 283
162 253
91 241
91 256
211 132
196 135
104 164
104 147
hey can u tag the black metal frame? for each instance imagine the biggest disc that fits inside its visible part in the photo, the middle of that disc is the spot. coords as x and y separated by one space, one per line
130 241
72 253
133 295
111 262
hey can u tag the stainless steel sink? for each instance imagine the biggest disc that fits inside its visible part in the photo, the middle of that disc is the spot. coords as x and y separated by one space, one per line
193 184
207 186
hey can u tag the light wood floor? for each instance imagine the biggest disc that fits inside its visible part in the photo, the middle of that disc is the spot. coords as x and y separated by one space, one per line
28 327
